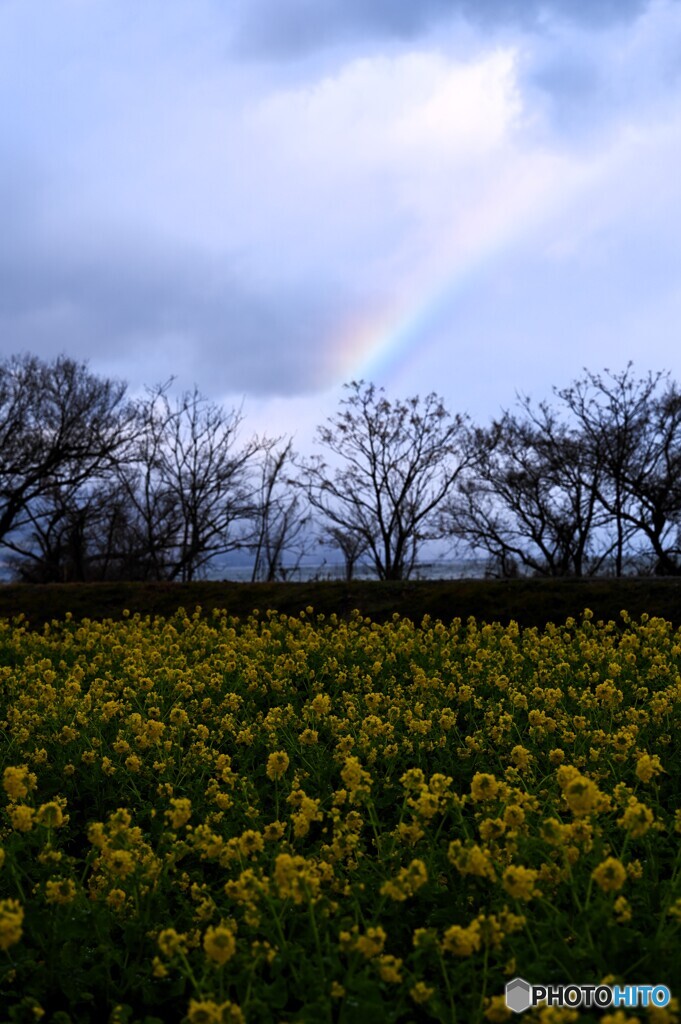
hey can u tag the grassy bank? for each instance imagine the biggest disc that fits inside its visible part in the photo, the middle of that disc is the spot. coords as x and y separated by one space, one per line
533 602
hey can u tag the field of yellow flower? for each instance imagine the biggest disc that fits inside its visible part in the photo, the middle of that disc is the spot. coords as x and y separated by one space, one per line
299 819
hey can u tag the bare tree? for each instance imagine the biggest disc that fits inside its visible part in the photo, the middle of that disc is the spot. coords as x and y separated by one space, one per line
398 462
162 510
78 533
156 520
50 546
533 501
632 428
60 426
352 546
279 518
190 486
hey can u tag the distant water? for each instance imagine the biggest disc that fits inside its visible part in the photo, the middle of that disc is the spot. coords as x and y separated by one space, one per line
435 570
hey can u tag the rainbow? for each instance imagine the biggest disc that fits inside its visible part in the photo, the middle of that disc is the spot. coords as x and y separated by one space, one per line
390 337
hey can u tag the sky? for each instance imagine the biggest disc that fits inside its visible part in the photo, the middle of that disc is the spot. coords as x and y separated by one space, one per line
270 198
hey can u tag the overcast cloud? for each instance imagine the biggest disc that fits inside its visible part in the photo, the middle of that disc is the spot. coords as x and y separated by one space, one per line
270 197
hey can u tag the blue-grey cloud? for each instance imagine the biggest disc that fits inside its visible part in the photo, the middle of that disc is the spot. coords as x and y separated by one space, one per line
145 315
168 208
292 28
589 12
592 85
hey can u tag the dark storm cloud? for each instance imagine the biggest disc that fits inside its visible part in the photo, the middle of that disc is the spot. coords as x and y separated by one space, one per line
153 316
591 85
588 12
292 28
167 208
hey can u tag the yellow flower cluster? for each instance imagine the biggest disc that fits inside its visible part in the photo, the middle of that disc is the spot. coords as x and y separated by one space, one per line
370 943
17 781
520 882
277 764
219 944
581 793
11 920
180 812
337 808
407 882
471 860
485 930
648 766
611 874
206 1011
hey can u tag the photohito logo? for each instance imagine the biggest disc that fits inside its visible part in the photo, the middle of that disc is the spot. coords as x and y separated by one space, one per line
520 995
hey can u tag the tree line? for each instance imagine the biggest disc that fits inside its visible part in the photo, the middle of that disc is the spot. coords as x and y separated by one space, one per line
97 486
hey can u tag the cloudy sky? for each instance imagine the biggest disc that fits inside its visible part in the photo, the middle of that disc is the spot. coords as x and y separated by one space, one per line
268 198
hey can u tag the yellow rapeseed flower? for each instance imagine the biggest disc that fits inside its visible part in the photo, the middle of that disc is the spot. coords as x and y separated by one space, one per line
159 969
390 969
277 764
274 831
219 944
294 877
519 882
610 874
321 704
557 1015
407 882
205 1011
61 890
21 817
675 910
178 716
420 992
471 860
414 779
355 778
647 766
622 909
637 818
181 812
521 757
425 805
664 1014
170 941
11 920
514 816
424 938
409 832
484 787
309 737
50 815
251 842
308 811
17 781
371 943
116 898
492 828
634 870
119 862
462 941
497 1011
581 794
